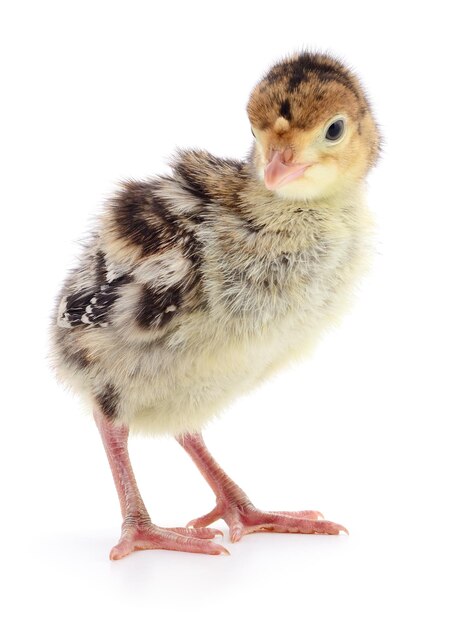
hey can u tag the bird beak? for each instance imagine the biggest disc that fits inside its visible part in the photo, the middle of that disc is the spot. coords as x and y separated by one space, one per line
278 173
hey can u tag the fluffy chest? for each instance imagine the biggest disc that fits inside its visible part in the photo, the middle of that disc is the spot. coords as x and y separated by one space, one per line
257 278
269 298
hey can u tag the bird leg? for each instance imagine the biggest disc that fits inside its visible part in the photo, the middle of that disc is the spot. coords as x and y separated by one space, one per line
234 506
138 532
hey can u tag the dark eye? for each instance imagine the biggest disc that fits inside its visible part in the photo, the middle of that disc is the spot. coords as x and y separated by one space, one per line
252 132
335 130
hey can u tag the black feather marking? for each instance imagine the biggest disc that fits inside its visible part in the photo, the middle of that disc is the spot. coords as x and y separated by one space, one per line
285 110
252 226
276 74
136 229
159 208
192 184
299 70
156 308
191 249
92 307
324 70
298 73
108 401
76 356
100 268
197 218
143 218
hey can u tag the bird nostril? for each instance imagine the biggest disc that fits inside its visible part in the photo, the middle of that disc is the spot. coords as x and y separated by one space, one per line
287 155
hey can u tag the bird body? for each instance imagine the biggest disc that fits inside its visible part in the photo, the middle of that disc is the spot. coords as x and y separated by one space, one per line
196 286
235 291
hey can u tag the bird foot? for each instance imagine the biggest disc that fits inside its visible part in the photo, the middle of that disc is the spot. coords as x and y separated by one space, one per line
150 537
245 518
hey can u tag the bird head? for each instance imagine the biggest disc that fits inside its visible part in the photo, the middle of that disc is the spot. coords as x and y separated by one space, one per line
314 131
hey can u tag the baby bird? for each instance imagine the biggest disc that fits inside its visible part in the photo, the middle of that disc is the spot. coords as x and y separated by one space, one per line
197 286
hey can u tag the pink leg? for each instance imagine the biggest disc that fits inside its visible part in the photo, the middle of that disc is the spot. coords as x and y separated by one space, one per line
234 506
138 532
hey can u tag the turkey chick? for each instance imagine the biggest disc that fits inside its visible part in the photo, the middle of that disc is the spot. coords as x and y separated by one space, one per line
194 287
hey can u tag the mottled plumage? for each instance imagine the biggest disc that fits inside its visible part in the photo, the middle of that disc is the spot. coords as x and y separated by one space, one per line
197 285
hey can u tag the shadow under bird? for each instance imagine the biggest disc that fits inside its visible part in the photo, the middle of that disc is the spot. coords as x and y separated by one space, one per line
194 287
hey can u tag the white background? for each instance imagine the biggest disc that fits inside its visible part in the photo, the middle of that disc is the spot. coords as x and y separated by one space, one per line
93 92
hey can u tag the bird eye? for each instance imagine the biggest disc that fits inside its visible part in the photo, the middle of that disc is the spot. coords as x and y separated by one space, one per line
335 130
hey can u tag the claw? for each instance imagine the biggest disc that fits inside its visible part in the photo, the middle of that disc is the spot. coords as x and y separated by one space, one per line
329 528
236 532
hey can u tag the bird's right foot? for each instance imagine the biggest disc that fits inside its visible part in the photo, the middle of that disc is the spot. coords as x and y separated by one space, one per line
147 536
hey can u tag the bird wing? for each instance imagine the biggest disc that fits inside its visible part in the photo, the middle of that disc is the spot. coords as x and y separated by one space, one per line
89 300
142 269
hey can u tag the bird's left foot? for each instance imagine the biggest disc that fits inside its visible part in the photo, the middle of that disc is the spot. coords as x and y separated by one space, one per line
148 536
245 518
